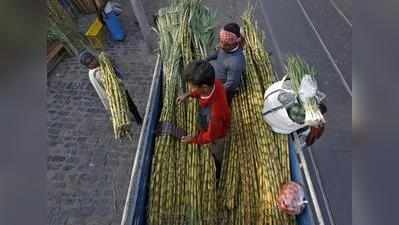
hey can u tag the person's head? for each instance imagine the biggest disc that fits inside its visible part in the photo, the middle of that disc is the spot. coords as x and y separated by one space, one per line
229 37
89 60
200 77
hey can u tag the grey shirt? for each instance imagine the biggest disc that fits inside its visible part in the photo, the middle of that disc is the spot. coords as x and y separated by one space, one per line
229 68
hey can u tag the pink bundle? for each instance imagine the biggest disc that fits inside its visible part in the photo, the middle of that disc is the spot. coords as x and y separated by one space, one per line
291 198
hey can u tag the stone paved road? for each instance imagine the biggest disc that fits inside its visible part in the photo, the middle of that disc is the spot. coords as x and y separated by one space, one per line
88 171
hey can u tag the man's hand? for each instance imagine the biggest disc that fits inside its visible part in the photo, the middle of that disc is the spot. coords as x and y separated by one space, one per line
182 98
187 139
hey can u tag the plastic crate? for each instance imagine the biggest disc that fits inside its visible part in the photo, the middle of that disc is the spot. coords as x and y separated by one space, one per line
96 34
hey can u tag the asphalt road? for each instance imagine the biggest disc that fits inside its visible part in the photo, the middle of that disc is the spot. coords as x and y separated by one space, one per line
321 32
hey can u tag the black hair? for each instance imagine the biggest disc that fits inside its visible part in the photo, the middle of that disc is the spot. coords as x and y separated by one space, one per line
199 72
86 58
233 28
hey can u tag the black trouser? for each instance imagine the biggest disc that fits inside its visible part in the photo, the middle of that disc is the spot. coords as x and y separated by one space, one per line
217 149
133 109
230 95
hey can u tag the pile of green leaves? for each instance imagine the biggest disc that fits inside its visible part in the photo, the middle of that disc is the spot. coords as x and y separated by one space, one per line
63 28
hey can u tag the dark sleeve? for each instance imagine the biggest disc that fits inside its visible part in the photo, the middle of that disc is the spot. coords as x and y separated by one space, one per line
212 56
234 73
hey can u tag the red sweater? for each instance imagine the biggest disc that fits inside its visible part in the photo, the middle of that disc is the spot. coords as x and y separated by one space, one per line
219 123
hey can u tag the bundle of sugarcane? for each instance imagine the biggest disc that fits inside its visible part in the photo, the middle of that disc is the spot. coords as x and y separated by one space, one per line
298 71
197 29
160 182
64 27
182 186
117 100
256 163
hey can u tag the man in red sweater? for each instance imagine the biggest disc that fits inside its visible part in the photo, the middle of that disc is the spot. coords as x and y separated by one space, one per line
214 114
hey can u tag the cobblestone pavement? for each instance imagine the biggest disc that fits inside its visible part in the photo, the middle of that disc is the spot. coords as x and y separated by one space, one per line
88 171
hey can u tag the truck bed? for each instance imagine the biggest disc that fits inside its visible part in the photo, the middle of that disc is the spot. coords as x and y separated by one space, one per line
135 211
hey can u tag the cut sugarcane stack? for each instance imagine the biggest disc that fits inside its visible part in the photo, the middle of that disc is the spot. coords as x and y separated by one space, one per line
182 185
117 100
256 163
297 70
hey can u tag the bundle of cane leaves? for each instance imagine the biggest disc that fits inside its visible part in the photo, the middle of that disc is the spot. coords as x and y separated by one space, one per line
57 34
52 34
65 28
202 22
256 163
299 71
182 185
117 100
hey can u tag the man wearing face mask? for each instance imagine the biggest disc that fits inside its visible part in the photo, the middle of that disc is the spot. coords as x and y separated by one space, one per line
229 60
